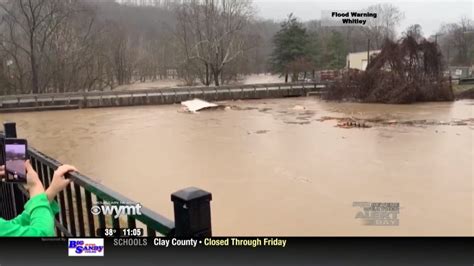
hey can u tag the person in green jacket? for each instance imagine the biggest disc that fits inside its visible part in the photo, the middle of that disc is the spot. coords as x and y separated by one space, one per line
37 219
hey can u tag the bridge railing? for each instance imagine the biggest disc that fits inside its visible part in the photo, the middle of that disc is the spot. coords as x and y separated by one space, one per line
191 205
117 93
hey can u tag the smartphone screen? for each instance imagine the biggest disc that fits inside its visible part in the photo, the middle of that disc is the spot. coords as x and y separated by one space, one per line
15 157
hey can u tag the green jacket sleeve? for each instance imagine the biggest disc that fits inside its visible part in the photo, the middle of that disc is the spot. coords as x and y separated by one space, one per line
36 220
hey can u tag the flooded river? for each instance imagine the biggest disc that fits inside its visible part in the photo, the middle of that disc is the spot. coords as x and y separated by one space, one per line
273 166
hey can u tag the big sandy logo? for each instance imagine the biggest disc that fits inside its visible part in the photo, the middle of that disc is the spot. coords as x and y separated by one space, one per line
86 247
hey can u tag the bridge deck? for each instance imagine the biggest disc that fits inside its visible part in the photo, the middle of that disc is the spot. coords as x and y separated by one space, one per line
152 96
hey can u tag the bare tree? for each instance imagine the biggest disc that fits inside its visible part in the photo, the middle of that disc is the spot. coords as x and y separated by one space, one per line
48 43
30 25
382 27
82 45
211 31
456 41
414 31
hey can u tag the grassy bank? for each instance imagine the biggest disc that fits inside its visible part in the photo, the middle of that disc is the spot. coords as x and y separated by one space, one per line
465 91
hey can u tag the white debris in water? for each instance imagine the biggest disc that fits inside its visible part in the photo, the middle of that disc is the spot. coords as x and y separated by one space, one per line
299 108
198 104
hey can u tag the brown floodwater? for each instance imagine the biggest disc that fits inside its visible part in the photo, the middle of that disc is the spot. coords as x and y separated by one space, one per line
272 167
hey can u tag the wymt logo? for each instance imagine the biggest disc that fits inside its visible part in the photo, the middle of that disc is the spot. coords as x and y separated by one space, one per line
85 247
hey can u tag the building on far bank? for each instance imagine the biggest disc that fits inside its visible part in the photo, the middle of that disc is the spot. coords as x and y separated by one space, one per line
359 60
459 72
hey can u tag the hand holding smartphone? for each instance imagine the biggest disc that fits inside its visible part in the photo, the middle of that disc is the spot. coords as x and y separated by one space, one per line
15 157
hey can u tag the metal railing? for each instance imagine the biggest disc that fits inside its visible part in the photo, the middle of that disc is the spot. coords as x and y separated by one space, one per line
76 202
191 205
78 95
72 97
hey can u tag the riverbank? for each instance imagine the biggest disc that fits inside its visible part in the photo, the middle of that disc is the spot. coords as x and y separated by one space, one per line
464 91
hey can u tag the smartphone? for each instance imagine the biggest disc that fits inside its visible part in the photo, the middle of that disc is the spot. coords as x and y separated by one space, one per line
15 157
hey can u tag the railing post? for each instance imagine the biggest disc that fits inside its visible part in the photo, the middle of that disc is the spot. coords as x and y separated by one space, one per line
6 211
192 212
10 129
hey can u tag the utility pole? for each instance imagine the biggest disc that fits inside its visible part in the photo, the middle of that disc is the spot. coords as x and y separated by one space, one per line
368 53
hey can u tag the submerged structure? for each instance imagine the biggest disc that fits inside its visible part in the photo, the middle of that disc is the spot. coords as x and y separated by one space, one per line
406 71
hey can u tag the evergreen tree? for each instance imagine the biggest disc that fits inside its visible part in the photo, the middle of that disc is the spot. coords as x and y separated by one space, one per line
291 44
336 51
315 51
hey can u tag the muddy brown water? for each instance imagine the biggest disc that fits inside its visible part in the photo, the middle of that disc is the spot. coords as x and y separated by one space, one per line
272 167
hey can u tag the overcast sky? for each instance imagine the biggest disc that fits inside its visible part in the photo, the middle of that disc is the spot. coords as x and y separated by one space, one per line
429 14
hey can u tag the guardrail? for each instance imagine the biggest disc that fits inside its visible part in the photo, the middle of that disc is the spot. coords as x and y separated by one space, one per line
151 90
50 101
464 81
191 205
